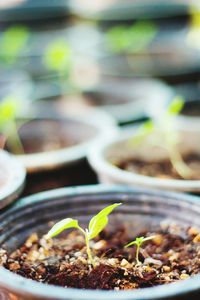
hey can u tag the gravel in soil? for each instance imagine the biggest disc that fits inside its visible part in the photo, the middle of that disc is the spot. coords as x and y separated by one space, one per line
174 254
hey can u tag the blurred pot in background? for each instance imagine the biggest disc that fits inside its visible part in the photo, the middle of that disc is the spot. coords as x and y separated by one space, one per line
152 43
140 50
12 178
129 99
53 148
144 160
38 50
29 11
109 12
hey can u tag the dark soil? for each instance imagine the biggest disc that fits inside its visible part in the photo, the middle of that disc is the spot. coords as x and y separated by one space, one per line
191 108
161 169
46 136
49 135
174 254
79 173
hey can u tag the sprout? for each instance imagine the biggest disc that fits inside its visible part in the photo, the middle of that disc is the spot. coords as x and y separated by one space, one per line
165 136
96 225
9 107
133 38
139 241
13 41
58 56
194 30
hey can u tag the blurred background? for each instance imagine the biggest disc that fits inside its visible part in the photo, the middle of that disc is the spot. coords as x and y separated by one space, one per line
127 57
77 54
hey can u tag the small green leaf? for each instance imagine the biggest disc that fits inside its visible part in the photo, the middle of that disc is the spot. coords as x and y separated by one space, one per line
99 222
176 106
144 131
131 38
8 110
13 41
62 225
58 55
139 241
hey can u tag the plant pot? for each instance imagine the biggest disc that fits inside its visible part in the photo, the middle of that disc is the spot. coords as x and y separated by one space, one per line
56 148
129 100
119 149
29 10
12 178
173 65
126 10
146 208
31 57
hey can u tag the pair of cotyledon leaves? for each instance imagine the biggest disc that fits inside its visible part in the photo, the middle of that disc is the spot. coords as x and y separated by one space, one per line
96 224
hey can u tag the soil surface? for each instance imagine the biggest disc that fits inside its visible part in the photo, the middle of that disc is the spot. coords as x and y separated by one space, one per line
161 169
173 254
49 135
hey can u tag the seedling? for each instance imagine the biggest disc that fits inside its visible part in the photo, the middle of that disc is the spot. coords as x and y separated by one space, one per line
194 32
131 39
96 225
13 41
163 134
138 242
58 58
9 108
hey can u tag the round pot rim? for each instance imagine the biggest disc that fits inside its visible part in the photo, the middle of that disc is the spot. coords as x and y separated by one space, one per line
111 14
101 165
30 287
99 120
15 183
160 96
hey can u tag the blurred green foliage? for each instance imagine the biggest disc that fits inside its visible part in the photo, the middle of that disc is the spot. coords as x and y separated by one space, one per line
9 108
12 43
58 56
131 39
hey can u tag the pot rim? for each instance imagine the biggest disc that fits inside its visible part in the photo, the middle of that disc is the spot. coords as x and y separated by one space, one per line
159 97
98 162
123 11
99 120
29 287
15 183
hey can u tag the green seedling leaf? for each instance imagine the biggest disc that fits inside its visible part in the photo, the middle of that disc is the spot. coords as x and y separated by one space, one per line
195 16
9 108
143 132
62 225
139 242
194 29
176 106
99 222
164 135
13 42
96 225
131 38
58 56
